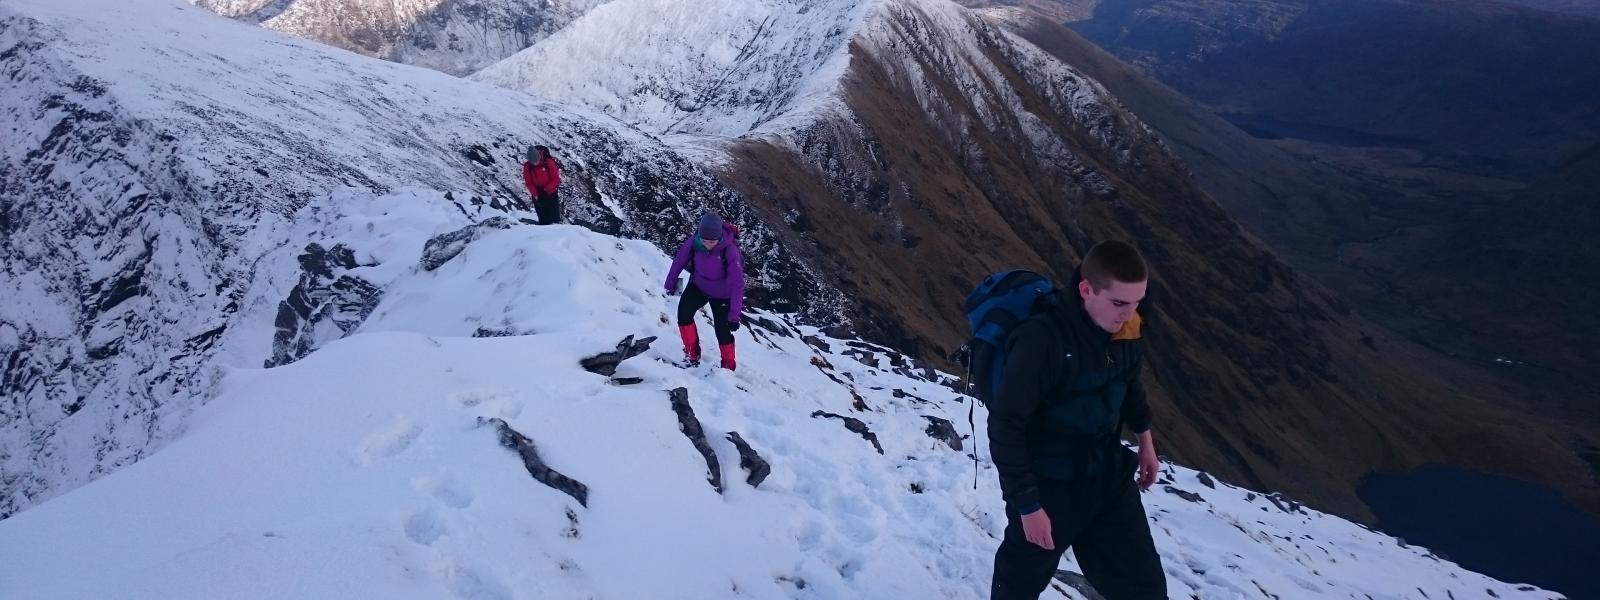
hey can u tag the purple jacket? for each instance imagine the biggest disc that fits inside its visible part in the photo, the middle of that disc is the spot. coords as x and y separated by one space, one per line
709 274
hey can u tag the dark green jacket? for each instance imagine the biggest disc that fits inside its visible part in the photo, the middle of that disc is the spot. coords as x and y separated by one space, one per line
1068 389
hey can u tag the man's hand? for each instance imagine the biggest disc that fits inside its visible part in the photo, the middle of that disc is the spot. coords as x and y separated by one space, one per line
1149 465
1036 528
733 325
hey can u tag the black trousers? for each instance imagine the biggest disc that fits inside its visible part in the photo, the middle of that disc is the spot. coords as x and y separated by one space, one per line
548 207
693 299
1102 519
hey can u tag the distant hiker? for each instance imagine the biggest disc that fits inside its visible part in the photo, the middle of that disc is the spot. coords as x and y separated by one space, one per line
716 276
1069 384
542 174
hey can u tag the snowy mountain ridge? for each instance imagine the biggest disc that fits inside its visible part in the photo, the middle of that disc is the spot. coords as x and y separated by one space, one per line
380 465
152 163
948 125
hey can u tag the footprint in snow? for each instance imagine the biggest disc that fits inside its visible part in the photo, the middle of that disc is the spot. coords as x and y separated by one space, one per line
470 584
424 527
446 489
809 536
764 416
489 402
388 442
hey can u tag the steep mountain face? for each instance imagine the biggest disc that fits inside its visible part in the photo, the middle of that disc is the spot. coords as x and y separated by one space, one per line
1517 272
1452 287
1304 209
1478 86
150 170
1495 110
448 462
454 36
954 147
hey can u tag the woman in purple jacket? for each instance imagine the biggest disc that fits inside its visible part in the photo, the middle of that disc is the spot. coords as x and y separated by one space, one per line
716 276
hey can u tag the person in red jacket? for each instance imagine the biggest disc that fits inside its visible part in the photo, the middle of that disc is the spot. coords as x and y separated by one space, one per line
542 174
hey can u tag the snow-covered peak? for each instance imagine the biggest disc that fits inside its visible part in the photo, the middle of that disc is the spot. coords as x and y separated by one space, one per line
376 467
252 11
453 36
718 68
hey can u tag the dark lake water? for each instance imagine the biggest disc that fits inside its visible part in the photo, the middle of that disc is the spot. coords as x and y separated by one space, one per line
1511 530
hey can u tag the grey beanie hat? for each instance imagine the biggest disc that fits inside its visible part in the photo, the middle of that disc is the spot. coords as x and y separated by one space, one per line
710 227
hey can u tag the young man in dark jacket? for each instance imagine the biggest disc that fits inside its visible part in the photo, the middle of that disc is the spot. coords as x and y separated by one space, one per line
1070 384
542 175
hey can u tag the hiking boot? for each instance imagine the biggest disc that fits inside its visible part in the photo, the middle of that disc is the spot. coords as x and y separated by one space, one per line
691 344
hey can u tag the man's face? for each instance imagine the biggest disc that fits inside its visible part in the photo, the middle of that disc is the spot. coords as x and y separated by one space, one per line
1111 307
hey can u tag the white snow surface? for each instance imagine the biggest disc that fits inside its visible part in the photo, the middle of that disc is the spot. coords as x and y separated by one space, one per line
453 36
153 153
363 470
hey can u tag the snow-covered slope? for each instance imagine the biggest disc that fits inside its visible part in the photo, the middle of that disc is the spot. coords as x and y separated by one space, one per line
453 36
720 68
730 69
372 468
153 150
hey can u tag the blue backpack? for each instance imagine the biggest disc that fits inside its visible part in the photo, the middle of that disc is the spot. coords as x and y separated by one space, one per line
1000 303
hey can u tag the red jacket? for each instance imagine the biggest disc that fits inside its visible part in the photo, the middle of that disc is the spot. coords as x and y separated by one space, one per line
544 176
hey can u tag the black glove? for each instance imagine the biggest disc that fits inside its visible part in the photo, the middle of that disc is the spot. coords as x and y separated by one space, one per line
733 325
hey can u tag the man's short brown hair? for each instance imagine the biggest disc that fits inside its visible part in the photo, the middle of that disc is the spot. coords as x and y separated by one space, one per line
1113 260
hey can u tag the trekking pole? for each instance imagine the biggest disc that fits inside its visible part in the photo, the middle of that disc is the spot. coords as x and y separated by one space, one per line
972 405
